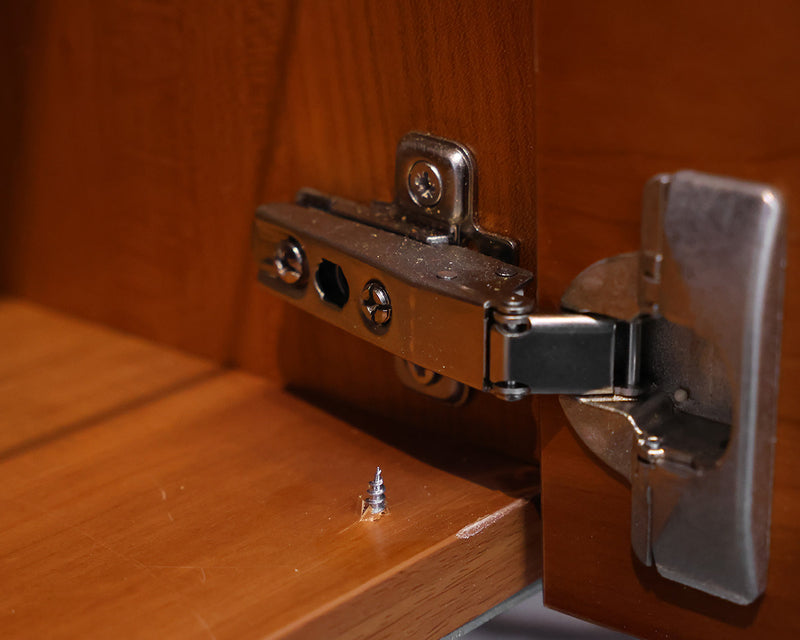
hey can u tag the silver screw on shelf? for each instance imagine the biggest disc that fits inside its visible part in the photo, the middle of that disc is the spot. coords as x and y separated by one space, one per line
376 496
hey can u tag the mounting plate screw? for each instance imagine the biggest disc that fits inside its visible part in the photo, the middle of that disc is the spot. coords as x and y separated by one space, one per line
376 496
376 306
290 261
424 184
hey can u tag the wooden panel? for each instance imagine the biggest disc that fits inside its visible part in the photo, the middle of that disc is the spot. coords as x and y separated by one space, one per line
16 20
361 75
150 131
231 510
58 374
140 132
626 91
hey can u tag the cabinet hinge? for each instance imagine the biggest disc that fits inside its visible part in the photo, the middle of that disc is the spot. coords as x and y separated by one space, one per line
666 359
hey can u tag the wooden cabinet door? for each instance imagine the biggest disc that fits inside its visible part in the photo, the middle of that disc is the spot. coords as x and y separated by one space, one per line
626 90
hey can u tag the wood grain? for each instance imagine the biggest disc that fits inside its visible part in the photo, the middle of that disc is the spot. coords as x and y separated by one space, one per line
139 132
231 510
624 92
16 23
58 374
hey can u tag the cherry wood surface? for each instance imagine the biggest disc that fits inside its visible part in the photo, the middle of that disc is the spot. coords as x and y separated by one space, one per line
230 509
145 134
137 131
58 374
627 90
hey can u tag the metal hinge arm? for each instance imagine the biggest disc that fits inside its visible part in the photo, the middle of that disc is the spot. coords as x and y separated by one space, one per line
565 353
451 312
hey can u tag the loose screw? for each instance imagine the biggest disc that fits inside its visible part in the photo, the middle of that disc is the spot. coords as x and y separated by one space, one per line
376 500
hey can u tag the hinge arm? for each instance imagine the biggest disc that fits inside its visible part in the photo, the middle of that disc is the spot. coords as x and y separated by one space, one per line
566 353
455 312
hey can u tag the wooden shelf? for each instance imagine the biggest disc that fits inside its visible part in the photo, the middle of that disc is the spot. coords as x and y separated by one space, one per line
213 504
58 373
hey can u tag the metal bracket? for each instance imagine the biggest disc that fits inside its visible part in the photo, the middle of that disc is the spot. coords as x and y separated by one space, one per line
435 203
436 185
693 427
668 357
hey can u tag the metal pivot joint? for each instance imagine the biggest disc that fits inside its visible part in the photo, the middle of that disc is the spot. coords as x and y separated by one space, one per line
666 358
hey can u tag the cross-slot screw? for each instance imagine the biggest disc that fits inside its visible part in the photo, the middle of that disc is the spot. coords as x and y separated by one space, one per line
424 184
376 306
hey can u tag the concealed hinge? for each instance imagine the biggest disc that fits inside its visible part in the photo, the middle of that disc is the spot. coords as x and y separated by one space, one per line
666 359
420 292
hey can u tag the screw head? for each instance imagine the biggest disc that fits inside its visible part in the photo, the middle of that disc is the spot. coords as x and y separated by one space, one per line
506 271
290 261
424 184
376 306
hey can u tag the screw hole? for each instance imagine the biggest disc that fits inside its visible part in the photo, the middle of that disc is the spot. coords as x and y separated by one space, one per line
331 284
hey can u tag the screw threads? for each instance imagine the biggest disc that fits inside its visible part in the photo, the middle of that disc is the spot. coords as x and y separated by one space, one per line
376 496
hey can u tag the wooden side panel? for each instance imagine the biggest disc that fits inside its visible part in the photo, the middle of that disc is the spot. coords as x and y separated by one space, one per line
141 130
16 23
362 74
625 91
151 131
